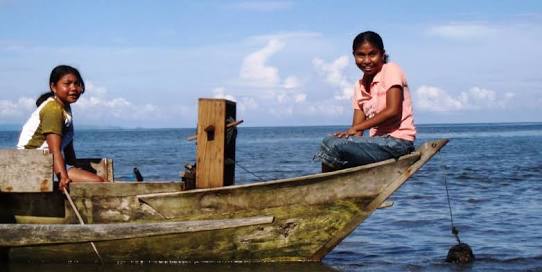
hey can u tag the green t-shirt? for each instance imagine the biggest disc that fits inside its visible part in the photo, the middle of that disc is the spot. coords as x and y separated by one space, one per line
49 117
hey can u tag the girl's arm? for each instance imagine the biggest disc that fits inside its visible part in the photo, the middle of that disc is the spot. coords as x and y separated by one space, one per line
54 141
394 108
358 118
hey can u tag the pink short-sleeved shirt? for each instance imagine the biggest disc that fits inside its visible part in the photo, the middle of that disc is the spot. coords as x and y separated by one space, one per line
374 101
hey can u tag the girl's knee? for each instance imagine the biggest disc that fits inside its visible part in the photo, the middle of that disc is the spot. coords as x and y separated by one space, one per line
95 178
100 179
331 141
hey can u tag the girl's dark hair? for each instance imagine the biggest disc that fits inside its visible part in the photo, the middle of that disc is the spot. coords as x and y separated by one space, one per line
56 74
372 38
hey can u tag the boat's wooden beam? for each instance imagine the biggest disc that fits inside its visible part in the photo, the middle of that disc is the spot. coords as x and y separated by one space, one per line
121 188
15 235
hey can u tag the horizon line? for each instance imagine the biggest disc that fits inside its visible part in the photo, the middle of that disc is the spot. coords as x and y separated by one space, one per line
11 127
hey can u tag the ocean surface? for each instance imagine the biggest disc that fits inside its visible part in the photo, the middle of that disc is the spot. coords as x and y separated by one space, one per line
493 171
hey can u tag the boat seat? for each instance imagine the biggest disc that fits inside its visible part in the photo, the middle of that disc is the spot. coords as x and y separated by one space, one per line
31 170
26 171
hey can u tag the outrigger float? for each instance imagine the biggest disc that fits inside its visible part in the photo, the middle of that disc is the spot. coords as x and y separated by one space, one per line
203 219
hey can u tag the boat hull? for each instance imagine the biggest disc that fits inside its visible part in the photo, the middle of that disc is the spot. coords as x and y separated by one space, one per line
312 214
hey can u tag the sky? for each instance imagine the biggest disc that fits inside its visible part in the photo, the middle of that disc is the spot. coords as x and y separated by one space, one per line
285 63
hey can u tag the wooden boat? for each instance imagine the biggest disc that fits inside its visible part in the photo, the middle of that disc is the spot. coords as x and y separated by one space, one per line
295 219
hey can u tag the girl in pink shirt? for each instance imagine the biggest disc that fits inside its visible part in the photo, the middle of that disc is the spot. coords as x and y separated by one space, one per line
381 104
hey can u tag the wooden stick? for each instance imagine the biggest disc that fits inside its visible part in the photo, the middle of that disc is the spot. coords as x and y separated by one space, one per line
232 124
81 222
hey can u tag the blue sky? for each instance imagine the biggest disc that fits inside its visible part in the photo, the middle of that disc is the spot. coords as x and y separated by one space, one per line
284 62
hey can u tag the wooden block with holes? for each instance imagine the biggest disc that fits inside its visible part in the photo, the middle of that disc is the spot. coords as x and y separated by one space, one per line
26 171
215 156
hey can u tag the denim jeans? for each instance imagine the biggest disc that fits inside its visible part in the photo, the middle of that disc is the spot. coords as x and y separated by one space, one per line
356 150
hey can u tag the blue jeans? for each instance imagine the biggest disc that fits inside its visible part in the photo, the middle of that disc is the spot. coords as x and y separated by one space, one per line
353 151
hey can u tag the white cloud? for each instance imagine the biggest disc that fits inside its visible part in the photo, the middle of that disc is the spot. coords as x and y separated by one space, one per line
327 109
255 72
298 98
11 111
264 5
434 99
243 103
509 95
480 98
285 97
220 93
96 105
301 36
254 69
463 31
291 82
116 104
247 103
92 89
334 75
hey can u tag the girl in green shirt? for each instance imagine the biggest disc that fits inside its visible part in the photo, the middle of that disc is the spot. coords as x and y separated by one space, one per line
50 126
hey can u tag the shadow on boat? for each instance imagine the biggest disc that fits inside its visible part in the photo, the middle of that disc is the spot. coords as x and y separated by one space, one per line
201 267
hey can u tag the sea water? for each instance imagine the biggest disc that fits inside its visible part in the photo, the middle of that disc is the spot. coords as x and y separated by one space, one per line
493 172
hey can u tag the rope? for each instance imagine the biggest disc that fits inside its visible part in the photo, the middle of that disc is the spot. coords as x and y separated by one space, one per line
248 171
258 177
231 135
455 231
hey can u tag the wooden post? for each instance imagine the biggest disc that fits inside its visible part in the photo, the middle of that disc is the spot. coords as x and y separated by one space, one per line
215 157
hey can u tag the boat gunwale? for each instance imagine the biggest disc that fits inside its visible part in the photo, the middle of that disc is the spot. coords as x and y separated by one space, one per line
287 180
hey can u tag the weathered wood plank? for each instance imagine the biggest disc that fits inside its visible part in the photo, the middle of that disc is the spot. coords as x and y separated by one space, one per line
26 171
122 188
295 233
29 234
212 149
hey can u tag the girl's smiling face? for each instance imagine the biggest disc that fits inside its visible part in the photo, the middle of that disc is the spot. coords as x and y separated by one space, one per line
68 89
369 58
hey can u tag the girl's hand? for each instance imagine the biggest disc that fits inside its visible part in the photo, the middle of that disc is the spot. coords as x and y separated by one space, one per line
64 181
345 134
